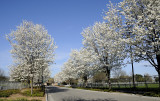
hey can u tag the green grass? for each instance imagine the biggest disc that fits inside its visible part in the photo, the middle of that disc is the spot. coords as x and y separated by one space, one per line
149 86
7 93
137 86
36 93
19 100
150 90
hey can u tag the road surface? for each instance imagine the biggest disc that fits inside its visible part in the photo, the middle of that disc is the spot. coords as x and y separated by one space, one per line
69 94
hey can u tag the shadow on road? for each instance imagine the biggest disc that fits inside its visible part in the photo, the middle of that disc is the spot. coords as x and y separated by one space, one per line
51 89
79 99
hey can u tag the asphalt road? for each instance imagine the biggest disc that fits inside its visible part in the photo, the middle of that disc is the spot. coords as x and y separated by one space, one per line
69 94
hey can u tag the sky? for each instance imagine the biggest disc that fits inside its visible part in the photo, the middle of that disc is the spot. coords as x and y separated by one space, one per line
64 20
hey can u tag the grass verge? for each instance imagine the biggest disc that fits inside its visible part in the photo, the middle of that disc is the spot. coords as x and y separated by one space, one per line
36 93
141 91
19 100
22 95
7 93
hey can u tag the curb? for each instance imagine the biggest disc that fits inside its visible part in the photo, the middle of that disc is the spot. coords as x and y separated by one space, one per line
46 94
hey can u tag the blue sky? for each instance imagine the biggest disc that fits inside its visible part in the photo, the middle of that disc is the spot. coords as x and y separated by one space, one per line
64 20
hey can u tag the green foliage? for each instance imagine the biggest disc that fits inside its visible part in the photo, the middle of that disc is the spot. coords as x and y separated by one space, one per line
7 93
72 81
51 80
156 79
139 78
36 93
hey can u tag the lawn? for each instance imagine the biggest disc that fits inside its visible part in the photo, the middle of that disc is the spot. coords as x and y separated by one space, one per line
149 86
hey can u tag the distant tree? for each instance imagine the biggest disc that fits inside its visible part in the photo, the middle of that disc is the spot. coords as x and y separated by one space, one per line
156 79
2 76
68 72
51 80
85 63
147 78
125 78
121 76
117 73
72 81
139 78
99 77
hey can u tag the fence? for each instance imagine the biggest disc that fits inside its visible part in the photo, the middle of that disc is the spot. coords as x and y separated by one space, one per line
120 85
4 85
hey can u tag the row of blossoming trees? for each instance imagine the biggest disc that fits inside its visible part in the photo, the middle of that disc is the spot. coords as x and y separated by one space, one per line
131 29
33 51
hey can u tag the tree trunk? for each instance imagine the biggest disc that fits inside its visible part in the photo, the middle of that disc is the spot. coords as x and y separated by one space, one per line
109 80
31 85
28 82
159 79
85 81
133 80
131 56
69 81
158 68
42 79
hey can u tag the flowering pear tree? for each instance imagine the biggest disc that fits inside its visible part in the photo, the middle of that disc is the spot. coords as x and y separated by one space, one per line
85 63
144 16
81 64
32 49
69 70
105 40
59 77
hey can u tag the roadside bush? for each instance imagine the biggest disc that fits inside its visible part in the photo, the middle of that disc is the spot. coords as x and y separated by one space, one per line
7 93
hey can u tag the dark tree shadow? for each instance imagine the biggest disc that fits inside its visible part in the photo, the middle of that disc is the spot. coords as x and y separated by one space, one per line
51 89
80 99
